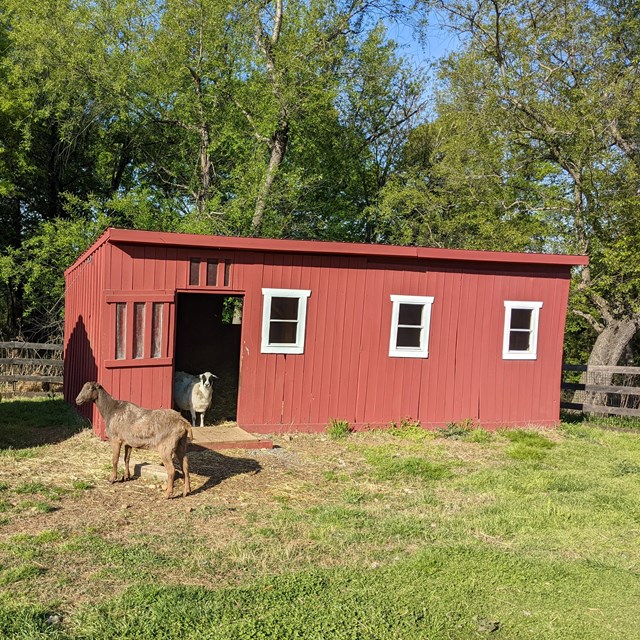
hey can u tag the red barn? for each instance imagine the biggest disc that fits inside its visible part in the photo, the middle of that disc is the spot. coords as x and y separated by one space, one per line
300 332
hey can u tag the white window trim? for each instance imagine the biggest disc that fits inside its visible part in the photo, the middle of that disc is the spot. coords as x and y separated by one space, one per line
302 295
532 353
410 352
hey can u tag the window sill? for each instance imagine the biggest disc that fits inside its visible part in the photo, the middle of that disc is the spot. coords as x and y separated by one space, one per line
138 362
519 356
295 350
408 354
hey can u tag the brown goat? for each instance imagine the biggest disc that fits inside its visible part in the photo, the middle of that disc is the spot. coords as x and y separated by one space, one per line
164 430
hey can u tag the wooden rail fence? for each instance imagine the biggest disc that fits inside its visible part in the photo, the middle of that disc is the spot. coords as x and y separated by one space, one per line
25 364
602 389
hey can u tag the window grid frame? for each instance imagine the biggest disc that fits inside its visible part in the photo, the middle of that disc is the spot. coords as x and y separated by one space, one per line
525 305
302 296
425 326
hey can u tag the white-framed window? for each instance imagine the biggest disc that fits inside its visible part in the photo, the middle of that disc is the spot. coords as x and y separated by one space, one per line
520 340
284 316
410 322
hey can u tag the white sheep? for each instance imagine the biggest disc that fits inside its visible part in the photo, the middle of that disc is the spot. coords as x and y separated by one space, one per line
193 393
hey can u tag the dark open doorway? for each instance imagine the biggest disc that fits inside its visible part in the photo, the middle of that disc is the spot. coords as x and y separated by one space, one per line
208 331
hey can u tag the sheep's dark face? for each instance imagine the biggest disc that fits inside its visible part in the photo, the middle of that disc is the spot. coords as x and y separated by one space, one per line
206 379
88 393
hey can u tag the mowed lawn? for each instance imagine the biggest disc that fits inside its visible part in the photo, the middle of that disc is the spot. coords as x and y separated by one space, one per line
402 534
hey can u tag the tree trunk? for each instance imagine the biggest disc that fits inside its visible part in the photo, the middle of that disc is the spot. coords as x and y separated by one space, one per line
608 349
278 149
206 168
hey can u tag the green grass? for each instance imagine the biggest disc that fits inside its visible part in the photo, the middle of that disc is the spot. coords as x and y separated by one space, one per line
437 593
532 534
389 466
338 429
33 422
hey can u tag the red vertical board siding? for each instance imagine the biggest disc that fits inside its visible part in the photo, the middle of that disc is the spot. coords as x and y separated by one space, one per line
329 318
294 362
334 408
345 371
354 321
82 343
369 342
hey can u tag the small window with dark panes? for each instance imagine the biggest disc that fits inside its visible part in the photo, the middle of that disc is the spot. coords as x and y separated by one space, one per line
283 320
194 272
520 340
410 323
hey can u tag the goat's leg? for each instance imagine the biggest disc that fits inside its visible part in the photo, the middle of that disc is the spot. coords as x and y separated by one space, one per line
115 456
167 460
127 457
181 454
202 419
193 417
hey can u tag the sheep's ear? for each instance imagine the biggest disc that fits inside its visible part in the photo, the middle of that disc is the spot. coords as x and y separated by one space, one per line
202 378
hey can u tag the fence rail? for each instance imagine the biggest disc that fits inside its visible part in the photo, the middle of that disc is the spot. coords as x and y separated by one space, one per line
602 389
30 368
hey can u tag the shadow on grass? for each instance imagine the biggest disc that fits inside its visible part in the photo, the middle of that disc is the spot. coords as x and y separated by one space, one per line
35 422
218 467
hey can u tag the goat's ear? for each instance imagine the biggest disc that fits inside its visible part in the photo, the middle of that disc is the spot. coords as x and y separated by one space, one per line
202 378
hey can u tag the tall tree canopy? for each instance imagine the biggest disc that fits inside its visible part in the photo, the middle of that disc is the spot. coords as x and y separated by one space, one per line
279 117
302 119
535 147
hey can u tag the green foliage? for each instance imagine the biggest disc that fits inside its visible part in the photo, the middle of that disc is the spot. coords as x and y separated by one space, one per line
166 117
408 429
479 435
338 429
457 430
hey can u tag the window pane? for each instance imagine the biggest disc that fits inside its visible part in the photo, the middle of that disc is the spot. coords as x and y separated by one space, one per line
121 324
519 340
408 337
194 272
156 330
521 318
138 330
410 314
212 273
282 332
284 308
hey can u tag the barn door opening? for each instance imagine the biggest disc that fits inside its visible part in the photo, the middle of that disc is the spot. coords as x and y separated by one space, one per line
208 332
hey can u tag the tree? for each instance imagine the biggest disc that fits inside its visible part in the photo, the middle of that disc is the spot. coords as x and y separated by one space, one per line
558 82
